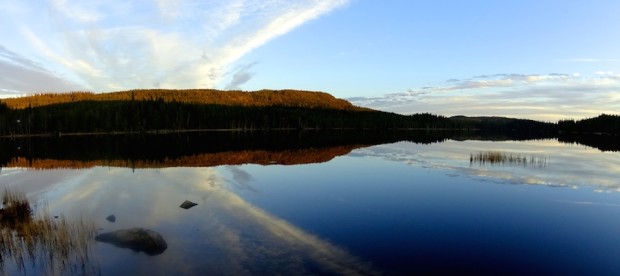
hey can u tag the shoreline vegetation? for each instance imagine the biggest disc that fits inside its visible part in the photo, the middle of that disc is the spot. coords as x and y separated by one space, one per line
493 158
157 111
34 241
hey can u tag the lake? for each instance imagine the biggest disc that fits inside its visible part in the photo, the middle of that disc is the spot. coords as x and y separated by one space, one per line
322 203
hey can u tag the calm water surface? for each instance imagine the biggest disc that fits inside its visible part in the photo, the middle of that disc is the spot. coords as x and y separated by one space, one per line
535 206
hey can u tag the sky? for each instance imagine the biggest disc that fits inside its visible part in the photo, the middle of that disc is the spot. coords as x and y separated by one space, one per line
542 59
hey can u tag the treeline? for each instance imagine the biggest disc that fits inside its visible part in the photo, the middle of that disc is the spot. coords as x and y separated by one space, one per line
293 98
523 127
202 109
603 124
141 116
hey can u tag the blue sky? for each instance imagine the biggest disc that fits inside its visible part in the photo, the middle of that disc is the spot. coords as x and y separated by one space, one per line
541 59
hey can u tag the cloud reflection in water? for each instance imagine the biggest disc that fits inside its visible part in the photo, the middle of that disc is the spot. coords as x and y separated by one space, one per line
566 165
224 234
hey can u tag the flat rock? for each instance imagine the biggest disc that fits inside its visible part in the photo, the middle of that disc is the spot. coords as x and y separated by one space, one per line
137 239
188 204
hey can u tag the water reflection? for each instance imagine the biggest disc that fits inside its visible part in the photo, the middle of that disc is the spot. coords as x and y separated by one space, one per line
223 234
299 219
186 149
41 244
550 163
231 148
263 157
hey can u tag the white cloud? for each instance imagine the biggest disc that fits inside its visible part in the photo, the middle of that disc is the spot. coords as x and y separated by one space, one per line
112 45
543 97
18 73
169 9
77 10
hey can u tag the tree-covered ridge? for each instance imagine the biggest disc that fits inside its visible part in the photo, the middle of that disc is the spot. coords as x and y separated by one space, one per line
294 98
603 124
145 116
503 124
154 110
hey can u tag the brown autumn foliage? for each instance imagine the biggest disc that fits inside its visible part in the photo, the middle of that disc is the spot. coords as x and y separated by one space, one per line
262 157
295 98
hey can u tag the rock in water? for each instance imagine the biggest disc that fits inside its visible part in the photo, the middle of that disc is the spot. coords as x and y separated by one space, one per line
188 204
137 239
111 218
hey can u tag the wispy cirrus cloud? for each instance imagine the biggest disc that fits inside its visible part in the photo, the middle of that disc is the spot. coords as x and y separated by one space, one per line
18 73
547 97
112 45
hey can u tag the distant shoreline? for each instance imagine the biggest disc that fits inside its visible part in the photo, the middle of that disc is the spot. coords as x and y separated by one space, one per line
170 131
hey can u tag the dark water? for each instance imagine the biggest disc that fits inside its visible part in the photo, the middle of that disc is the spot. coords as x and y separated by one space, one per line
333 203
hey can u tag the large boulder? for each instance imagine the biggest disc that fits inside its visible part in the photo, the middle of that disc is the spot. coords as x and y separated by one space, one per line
137 239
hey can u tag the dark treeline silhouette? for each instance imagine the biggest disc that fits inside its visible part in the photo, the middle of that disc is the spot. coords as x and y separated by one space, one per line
502 124
137 116
603 124
155 110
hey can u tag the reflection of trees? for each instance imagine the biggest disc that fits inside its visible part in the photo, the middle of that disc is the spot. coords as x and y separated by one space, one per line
290 157
202 149
47 245
199 149
600 142
511 159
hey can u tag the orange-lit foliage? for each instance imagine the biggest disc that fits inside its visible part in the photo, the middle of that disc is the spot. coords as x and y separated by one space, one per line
263 157
294 98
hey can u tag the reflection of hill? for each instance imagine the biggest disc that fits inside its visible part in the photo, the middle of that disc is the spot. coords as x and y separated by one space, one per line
601 142
228 147
286 157
192 149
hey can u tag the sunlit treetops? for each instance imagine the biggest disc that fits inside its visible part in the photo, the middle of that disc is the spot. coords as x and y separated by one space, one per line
294 98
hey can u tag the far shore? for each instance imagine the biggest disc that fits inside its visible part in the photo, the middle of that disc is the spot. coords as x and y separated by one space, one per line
167 131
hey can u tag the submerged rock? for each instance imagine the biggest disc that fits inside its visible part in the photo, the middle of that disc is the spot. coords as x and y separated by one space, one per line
188 204
137 239
111 218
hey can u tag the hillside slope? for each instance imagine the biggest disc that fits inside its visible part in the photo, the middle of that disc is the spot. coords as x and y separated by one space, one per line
289 98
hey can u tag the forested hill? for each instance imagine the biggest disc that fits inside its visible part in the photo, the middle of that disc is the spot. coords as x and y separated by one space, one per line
290 98
603 124
201 109
156 110
501 124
